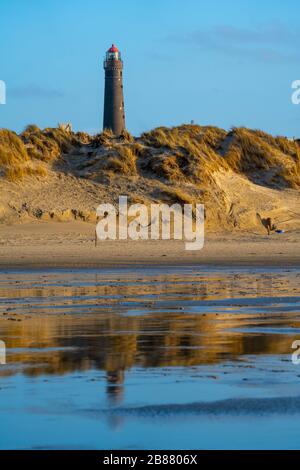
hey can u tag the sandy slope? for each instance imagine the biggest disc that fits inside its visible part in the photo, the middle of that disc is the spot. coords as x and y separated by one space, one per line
64 197
52 223
248 201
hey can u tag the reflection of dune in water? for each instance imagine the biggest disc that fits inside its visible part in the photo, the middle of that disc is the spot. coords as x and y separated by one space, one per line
155 318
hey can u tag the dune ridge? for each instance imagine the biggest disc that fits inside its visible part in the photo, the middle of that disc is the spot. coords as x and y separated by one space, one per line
242 176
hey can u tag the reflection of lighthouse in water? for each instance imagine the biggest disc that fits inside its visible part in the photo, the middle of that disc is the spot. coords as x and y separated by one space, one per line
115 386
114 112
115 394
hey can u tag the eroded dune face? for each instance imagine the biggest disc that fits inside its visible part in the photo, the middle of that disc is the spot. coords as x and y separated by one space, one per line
243 177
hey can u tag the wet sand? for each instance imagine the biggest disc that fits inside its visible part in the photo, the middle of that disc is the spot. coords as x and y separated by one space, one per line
72 245
152 358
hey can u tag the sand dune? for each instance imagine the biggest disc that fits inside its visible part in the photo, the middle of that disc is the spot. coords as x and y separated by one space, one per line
52 181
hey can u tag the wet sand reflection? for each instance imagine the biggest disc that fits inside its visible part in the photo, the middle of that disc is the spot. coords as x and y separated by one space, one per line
57 323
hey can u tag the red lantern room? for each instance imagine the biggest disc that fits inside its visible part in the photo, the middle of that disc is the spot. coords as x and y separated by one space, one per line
113 53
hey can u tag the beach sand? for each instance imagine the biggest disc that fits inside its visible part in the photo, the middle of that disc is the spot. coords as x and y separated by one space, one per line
72 245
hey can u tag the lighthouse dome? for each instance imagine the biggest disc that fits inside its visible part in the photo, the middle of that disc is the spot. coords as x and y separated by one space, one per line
113 49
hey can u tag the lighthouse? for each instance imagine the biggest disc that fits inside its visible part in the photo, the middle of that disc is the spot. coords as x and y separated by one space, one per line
114 112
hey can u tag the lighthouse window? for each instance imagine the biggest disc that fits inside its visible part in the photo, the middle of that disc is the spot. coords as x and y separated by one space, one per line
113 55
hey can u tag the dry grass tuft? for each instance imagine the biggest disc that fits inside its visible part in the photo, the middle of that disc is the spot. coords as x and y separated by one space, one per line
177 137
122 160
105 138
167 166
126 137
12 149
49 144
13 155
15 159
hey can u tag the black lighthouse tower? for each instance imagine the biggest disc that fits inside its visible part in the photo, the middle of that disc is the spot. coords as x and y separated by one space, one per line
114 112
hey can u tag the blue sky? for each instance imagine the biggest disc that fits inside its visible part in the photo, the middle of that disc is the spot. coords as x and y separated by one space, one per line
220 62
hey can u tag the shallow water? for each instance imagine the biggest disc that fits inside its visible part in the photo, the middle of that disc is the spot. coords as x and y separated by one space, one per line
150 358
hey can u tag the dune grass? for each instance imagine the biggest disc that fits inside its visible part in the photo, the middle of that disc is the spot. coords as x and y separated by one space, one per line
122 160
13 155
49 144
186 154
252 152
194 153
15 162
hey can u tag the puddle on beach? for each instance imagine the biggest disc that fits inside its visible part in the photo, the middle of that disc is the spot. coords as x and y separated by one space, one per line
150 358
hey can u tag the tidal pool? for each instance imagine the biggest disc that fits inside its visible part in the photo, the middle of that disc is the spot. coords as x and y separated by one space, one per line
150 358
